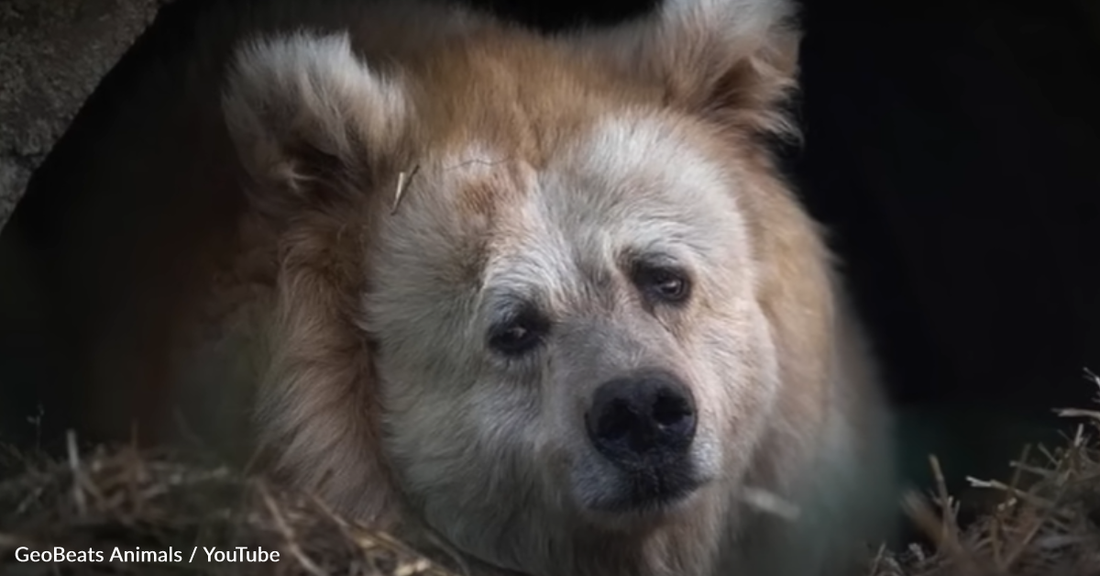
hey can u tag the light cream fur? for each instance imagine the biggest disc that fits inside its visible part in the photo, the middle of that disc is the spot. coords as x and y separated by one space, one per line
533 167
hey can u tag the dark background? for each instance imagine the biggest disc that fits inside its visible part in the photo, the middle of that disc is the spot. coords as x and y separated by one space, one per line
951 149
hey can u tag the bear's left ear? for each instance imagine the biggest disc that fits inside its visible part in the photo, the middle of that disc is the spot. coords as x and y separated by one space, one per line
309 118
733 60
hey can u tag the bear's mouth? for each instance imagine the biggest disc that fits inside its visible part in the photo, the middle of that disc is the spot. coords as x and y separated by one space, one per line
649 490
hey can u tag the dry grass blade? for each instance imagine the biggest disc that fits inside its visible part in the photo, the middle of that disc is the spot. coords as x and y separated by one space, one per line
74 466
291 541
403 179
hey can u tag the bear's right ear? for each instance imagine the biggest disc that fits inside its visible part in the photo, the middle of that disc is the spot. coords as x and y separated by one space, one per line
315 128
308 117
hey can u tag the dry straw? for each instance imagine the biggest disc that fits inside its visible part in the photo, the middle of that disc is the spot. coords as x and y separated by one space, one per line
1045 523
148 501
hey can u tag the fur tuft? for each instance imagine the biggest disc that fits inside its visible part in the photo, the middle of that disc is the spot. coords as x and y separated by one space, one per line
734 60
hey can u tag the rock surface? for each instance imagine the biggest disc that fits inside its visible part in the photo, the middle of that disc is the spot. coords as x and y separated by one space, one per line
52 55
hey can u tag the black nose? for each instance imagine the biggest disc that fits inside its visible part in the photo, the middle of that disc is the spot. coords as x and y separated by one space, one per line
642 420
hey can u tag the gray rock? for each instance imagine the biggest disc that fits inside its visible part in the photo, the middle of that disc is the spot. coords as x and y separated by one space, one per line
53 53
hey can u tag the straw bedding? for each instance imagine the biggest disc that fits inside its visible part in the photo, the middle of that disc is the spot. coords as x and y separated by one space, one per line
1045 520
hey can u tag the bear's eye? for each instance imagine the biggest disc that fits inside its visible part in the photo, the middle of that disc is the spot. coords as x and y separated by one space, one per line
520 334
663 284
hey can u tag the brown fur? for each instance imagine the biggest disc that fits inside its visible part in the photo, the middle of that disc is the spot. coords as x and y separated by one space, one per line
283 259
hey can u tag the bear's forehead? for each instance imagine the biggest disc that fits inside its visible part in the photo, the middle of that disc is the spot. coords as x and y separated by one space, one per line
619 170
627 182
